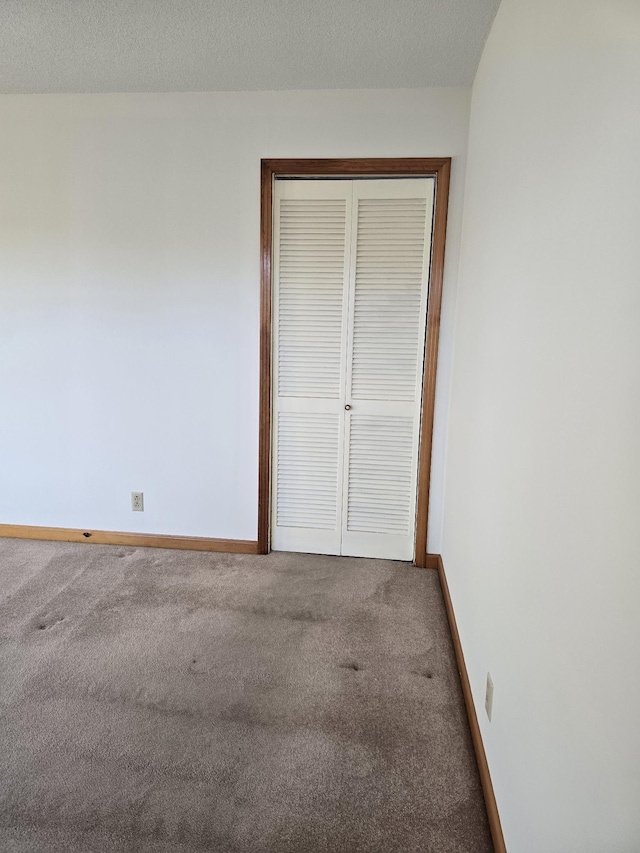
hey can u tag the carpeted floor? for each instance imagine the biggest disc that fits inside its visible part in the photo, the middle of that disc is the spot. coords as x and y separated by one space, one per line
155 700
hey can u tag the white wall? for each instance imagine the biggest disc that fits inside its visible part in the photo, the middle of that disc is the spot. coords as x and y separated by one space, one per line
542 507
129 292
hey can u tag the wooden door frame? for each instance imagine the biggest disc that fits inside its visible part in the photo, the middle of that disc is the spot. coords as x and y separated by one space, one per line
438 167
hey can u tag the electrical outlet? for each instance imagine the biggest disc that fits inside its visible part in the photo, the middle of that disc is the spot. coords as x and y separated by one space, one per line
488 696
137 501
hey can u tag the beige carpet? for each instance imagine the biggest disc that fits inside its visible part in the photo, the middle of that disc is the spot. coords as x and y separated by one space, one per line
156 700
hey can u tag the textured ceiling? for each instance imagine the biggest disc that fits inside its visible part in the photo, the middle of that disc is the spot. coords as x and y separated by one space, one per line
214 45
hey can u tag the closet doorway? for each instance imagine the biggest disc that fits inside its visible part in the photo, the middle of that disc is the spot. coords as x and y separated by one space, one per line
353 265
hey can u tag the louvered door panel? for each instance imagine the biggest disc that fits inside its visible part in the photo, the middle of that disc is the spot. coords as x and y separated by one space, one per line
311 289
380 475
312 225
307 487
388 301
388 294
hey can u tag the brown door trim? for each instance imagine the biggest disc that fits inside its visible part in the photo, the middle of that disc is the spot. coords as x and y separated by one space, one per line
440 167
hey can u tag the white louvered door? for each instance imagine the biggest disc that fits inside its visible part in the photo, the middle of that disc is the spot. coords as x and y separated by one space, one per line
389 270
312 237
351 264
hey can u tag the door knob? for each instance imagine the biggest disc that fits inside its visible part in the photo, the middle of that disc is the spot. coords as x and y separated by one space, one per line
347 408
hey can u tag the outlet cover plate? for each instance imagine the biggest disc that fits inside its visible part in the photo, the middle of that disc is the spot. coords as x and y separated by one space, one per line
137 501
488 696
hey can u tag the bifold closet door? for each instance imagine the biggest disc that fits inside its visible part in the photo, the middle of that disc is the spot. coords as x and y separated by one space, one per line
311 241
389 275
351 261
